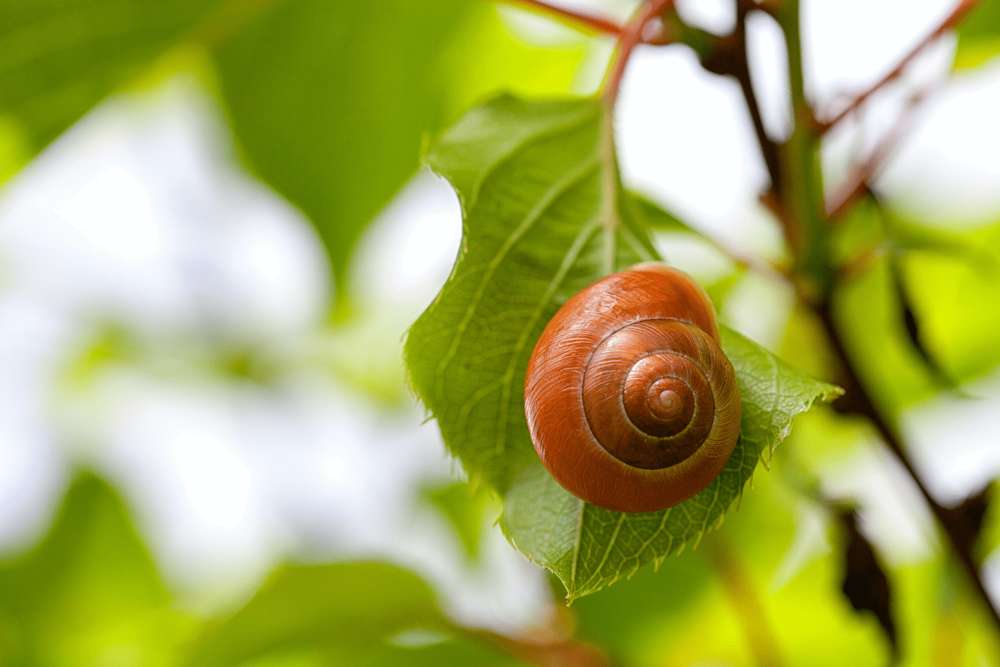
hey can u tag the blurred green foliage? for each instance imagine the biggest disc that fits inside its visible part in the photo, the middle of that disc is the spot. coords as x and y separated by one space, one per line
89 593
979 35
330 100
331 103
58 58
948 275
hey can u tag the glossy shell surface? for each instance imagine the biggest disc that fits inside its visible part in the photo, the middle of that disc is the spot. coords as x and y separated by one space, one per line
630 401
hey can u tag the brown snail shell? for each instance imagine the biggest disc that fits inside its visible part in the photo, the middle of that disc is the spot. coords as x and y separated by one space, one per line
630 401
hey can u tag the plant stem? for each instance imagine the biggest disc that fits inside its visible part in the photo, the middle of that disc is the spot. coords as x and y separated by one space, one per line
801 209
548 653
631 36
599 24
583 19
745 602
959 12
860 402
741 71
803 206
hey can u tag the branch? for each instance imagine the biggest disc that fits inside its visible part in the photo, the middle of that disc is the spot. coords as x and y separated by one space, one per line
804 204
950 21
545 653
587 21
858 401
743 260
741 71
859 264
632 35
800 208
859 181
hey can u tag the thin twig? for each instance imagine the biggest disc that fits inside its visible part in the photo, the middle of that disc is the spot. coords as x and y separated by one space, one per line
741 71
800 208
860 179
859 401
860 263
594 22
950 21
631 36
743 260
544 653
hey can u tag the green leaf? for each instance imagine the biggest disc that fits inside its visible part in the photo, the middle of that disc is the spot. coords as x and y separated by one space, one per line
543 218
489 56
364 613
531 178
343 607
58 59
954 296
89 592
946 274
979 35
330 100
590 548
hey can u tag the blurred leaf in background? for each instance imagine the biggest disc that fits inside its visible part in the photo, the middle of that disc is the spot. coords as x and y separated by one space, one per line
979 35
58 59
89 593
494 52
344 609
944 276
954 290
363 613
330 101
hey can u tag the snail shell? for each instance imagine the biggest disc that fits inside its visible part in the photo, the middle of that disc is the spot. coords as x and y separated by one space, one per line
630 401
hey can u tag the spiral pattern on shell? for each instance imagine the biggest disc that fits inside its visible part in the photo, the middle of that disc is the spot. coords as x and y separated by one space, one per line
630 401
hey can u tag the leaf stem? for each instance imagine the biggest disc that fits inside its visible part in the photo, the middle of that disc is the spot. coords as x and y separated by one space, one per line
741 71
960 10
631 36
593 22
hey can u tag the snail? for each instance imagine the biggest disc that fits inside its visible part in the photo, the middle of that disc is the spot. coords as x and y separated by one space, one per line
630 401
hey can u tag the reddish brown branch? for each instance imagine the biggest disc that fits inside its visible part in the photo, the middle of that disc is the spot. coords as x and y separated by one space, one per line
544 652
950 21
860 179
768 148
592 21
857 400
632 35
